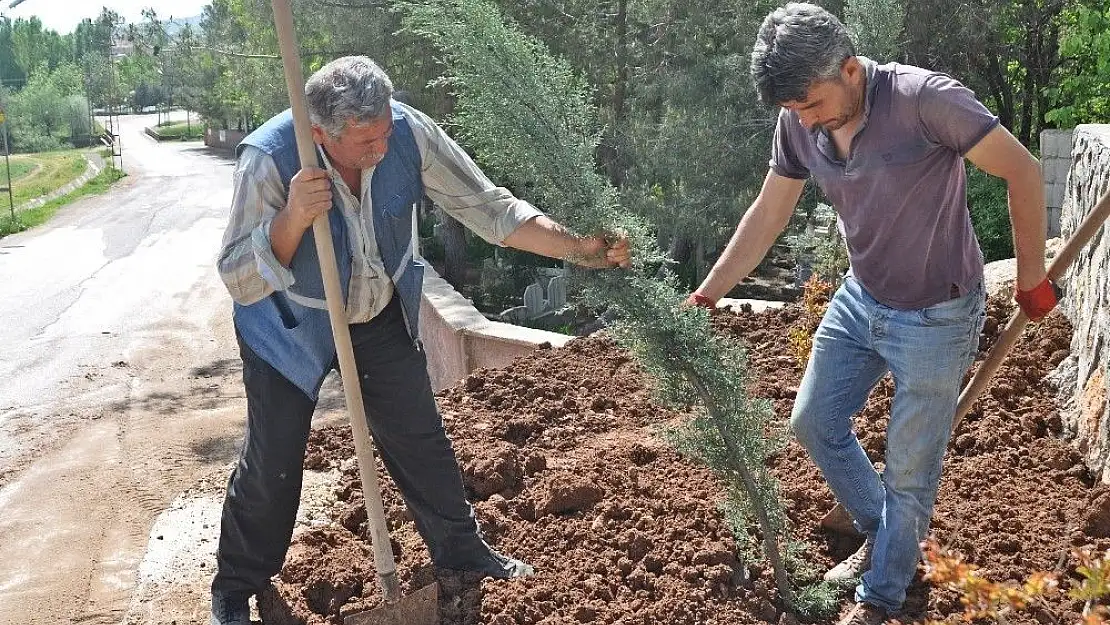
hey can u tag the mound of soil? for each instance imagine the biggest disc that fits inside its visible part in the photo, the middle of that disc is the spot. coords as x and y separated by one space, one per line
562 457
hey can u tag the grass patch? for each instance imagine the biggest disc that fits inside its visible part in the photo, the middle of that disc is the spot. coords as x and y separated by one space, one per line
169 131
20 167
56 169
40 214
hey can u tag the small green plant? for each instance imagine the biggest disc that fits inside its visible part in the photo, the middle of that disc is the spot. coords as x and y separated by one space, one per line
990 214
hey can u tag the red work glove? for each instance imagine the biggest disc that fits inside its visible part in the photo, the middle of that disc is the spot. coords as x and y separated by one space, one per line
697 299
1039 300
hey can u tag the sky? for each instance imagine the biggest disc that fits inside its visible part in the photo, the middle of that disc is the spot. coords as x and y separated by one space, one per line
64 15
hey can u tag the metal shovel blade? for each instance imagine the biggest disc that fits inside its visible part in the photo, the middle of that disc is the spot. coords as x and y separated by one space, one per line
416 608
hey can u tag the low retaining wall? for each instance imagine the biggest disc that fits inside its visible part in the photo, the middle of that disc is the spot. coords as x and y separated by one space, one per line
458 339
223 139
93 166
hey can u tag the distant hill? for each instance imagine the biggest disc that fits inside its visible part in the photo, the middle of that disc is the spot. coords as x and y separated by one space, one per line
175 25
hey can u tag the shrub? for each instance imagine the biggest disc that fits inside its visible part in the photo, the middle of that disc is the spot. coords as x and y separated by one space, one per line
990 214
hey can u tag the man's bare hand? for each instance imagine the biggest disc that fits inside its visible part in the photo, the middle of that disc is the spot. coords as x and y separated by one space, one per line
309 196
697 299
604 252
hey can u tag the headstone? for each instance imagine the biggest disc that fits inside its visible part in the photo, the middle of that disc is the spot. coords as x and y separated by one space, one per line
557 292
533 301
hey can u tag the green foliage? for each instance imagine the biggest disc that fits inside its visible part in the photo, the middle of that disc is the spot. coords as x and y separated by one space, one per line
695 139
876 26
555 127
820 600
990 214
49 112
1082 94
529 118
1005 50
52 171
19 167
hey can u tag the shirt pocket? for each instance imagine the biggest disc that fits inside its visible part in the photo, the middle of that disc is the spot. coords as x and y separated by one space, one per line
398 205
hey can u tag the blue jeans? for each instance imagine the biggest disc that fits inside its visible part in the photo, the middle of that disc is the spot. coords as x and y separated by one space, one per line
927 351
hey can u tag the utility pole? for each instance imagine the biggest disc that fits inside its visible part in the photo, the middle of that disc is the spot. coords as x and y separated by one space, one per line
7 164
4 125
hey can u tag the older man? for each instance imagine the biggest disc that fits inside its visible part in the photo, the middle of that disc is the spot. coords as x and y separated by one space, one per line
377 158
887 144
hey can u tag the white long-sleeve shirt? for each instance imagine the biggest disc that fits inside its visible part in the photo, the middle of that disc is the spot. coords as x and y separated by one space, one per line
451 179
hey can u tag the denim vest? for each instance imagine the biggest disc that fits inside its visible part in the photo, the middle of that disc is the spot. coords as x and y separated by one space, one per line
290 329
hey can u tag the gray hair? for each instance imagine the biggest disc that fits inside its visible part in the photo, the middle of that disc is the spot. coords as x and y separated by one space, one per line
797 45
349 89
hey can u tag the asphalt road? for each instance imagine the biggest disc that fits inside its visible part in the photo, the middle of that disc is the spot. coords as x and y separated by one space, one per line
118 378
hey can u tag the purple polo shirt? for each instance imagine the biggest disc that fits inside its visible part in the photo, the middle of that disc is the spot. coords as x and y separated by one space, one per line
902 193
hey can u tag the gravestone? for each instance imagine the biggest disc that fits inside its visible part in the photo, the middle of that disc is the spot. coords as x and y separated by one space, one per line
557 292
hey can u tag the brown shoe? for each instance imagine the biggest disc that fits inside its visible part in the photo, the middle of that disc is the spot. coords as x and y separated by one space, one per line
854 565
863 614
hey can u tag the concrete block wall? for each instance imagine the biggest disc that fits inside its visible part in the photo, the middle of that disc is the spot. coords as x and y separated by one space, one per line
1056 156
458 339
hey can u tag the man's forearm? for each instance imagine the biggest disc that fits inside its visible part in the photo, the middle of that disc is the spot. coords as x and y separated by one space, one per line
540 235
1029 220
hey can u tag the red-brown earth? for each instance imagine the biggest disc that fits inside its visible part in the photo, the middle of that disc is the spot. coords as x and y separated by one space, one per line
562 457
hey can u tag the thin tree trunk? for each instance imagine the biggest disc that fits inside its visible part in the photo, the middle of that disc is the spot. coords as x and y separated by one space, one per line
453 238
609 150
751 488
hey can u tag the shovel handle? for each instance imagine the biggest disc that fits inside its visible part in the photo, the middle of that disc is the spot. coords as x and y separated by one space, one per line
352 390
1012 332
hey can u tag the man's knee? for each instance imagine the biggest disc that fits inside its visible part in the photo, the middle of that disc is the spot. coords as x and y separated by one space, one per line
804 423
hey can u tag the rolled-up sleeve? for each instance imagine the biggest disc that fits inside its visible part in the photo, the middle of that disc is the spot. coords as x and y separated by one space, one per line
247 264
454 182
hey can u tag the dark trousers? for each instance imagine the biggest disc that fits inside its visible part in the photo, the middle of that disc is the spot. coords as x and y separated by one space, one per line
265 487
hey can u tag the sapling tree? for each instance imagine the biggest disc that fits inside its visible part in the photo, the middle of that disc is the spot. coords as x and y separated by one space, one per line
528 118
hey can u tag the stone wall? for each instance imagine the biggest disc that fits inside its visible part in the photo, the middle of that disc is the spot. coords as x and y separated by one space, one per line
1082 376
1056 146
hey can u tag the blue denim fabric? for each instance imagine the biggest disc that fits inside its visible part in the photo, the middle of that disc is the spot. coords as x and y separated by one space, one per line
927 352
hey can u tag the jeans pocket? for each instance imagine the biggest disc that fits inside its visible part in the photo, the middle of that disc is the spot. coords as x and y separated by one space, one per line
955 311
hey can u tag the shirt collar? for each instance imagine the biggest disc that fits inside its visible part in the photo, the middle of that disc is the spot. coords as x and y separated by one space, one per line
871 69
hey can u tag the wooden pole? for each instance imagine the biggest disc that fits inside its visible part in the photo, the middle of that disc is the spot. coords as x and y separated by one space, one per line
1012 332
352 390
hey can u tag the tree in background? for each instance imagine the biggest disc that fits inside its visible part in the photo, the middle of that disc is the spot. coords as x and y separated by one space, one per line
1007 51
1081 94
876 26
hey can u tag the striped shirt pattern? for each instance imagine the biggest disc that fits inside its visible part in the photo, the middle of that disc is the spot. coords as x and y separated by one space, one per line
452 180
